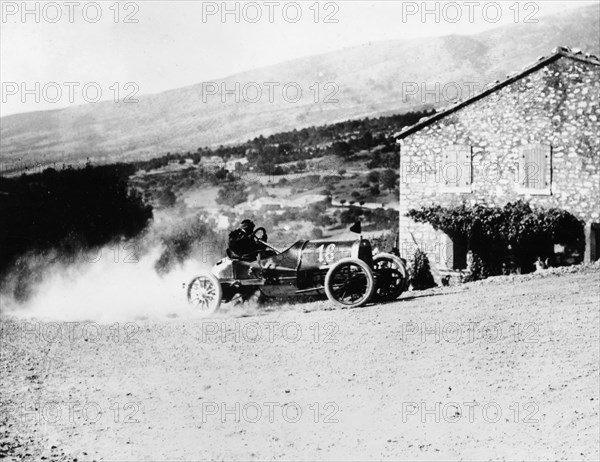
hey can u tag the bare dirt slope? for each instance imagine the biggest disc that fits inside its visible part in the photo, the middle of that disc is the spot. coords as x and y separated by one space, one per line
503 369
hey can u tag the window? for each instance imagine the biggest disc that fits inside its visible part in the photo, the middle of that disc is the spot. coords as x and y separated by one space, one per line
456 171
535 169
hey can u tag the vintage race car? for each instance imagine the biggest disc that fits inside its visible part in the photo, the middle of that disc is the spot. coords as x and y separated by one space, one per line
346 272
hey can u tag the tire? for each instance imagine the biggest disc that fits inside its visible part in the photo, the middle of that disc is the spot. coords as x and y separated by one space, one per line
349 283
390 277
204 294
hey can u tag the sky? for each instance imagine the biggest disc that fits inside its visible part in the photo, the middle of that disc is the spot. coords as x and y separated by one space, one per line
56 54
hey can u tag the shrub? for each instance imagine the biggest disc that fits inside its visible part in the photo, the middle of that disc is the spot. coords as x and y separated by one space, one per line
478 270
231 194
420 271
350 215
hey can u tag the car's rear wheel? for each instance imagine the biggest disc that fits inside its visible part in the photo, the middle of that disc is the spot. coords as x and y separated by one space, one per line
204 294
349 283
390 276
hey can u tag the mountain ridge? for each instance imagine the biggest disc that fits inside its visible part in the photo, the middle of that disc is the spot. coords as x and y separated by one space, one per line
367 80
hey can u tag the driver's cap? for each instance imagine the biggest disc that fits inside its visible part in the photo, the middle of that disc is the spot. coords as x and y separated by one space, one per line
247 224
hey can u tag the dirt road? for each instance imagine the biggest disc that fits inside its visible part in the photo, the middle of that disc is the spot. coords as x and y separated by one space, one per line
502 369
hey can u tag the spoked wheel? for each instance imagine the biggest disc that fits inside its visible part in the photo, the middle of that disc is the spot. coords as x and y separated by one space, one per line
390 276
349 283
204 293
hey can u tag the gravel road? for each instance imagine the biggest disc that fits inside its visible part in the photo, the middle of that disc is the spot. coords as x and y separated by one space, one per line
506 368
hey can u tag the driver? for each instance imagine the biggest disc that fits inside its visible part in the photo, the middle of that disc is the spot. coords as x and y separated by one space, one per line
243 244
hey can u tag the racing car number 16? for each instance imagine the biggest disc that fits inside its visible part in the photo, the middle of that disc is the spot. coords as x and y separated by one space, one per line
326 254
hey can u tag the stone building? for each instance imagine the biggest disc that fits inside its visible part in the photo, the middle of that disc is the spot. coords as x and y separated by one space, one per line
534 136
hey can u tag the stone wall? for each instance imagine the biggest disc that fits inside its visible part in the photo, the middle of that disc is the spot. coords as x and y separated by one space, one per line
557 105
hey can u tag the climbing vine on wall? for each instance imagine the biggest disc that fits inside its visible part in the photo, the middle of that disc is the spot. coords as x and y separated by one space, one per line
509 237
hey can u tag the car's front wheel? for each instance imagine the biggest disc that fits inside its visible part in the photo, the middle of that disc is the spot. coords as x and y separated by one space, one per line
349 283
204 294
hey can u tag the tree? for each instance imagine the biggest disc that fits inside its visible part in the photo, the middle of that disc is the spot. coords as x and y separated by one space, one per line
388 179
373 176
341 149
70 210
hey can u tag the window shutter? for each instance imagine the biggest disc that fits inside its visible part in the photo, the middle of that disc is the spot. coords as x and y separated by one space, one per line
522 166
450 170
547 171
538 160
457 166
464 159
535 166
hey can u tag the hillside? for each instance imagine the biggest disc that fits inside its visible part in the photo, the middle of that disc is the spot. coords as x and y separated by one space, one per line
368 78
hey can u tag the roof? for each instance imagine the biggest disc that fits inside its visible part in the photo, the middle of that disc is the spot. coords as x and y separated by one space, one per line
559 52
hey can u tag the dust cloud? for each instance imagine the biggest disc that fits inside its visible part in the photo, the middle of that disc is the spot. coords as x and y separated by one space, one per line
106 288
